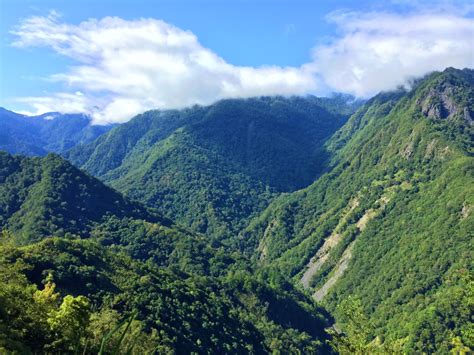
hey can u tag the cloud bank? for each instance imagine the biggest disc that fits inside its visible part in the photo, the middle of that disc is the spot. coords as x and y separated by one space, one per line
126 67
380 51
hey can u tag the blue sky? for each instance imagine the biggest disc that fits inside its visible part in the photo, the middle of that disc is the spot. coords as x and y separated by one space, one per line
243 48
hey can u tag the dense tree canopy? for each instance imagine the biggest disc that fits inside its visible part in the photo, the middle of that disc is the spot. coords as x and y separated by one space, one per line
115 259
397 206
381 237
212 168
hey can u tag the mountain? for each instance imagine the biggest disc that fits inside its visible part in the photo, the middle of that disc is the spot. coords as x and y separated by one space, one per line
304 207
389 226
50 132
45 196
78 258
212 168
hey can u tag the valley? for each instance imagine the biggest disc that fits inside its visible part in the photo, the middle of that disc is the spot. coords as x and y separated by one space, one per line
247 226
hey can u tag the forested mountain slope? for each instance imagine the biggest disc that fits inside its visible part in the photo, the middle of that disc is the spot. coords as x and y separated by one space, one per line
114 258
46 196
211 168
50 132
391 224
66 296
382 236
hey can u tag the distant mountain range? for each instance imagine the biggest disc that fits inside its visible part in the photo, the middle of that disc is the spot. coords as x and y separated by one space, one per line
50 132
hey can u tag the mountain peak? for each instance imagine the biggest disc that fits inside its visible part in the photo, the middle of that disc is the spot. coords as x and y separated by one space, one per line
448 95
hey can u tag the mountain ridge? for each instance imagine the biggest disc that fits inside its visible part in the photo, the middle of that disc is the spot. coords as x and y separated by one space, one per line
409 169
235 155
369 216
49 132
73 249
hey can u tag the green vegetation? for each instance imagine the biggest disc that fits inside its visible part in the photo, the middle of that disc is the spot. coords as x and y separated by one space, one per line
213 168
49 196
98 287
115 258
406 158
388 213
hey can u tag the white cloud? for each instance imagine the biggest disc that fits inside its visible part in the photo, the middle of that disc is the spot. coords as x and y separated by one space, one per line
380 51
125 67
59 102
137 65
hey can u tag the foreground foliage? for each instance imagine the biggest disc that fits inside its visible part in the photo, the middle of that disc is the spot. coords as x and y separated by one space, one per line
68 295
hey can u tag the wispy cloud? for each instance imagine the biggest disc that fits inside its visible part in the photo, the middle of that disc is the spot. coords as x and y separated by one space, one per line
147 63
58 102
125 67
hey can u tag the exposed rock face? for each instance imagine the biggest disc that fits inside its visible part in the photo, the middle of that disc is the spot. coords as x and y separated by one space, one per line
339 270
466 210
408 150
439 104
467 116
430 149
332 241
320 258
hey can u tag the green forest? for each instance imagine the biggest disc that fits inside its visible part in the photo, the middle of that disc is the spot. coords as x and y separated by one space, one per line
282 225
